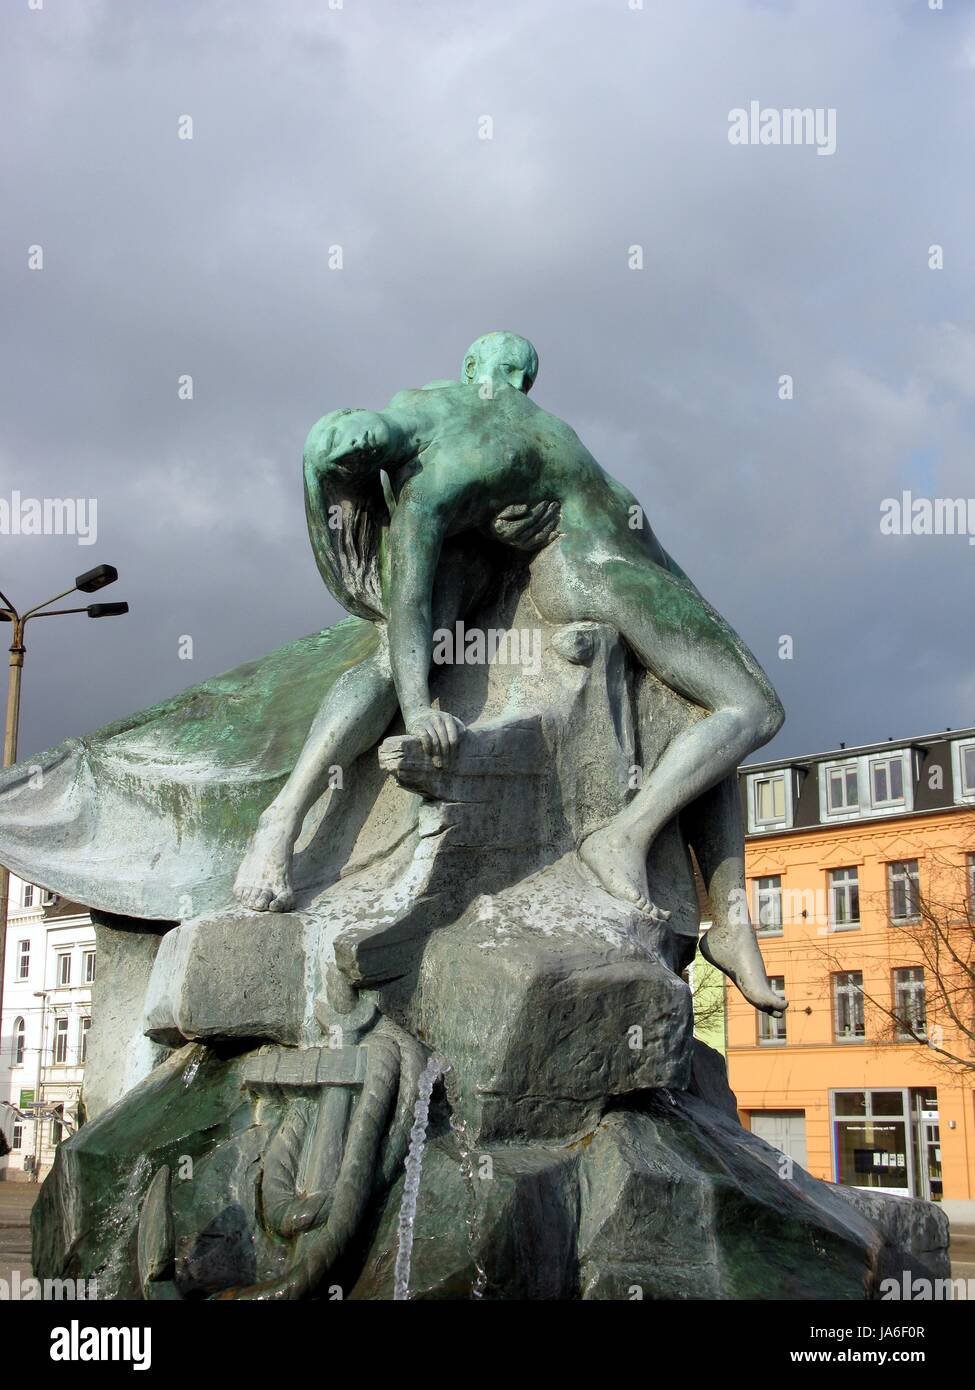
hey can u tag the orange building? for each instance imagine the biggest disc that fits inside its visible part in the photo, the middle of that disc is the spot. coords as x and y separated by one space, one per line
861 871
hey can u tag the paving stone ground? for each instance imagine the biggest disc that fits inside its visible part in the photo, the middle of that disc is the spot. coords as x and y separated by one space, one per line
16 1200
963 1253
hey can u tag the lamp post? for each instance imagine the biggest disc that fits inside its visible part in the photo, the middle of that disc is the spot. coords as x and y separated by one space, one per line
40 994
88 583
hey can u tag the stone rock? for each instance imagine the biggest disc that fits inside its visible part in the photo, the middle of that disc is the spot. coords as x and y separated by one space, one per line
523 1235
906 1224
665 1198
119 1053
548 1013
920 1228
679 1201
709 1079
233 976
192 1116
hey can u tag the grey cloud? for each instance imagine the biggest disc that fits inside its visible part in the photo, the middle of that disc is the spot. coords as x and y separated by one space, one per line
359 126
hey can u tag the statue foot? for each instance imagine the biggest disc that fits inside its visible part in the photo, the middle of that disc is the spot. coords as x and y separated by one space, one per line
621 868
737 955
263 880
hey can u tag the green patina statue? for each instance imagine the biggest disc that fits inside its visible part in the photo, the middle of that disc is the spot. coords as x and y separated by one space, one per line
397 501
471 946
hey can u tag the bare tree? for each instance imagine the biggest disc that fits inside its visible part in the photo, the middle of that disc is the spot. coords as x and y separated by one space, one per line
935 931
707 994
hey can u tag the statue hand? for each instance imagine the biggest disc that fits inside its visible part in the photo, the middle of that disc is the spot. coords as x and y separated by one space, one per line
527 527
439 733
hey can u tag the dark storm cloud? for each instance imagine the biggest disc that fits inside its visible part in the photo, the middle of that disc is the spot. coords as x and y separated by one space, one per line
359 127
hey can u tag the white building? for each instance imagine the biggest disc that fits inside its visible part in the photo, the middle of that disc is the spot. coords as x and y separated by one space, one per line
50 967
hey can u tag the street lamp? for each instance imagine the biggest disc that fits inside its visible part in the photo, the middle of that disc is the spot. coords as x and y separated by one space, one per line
88 583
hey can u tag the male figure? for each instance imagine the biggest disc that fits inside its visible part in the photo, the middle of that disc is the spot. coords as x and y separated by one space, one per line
455 459
352 558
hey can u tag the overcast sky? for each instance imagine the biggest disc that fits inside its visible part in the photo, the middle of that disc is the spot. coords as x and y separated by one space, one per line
359 126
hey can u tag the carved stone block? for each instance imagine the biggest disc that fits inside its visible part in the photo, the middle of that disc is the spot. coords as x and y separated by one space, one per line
229 977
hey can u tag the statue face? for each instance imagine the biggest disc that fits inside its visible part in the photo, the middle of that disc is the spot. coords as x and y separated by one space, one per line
362 440
503 358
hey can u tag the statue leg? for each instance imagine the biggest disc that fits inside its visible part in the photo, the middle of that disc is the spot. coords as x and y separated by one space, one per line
354 716
714 830
679 637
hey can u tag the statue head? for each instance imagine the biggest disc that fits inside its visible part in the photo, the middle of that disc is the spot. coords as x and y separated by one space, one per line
360 441
501 358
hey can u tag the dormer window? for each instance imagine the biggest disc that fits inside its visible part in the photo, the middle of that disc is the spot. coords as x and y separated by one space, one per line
963 767
887 781
770 800
874 784
843 788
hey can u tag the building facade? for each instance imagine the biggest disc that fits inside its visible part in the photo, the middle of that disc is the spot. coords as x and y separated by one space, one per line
861 875
49 972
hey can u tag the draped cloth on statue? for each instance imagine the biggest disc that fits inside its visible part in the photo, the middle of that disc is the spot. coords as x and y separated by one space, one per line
150 816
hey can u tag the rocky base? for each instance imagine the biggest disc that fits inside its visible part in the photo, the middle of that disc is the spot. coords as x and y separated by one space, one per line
666 1197
580 1144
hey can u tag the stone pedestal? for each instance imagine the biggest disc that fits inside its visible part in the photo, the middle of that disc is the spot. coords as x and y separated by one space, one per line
169 1194
580 1144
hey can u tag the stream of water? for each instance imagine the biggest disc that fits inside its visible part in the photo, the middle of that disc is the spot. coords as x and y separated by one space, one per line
434 1069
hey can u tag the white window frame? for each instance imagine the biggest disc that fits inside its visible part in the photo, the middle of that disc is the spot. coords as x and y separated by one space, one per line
868 805
23 959
20 1042
910 990
772 894
772 1031
48 899
17 1136
84 1028
63 956
846 885
60 1037
963 796
913 892
844 769
27 896
887 760
88 966
853 991
783 822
